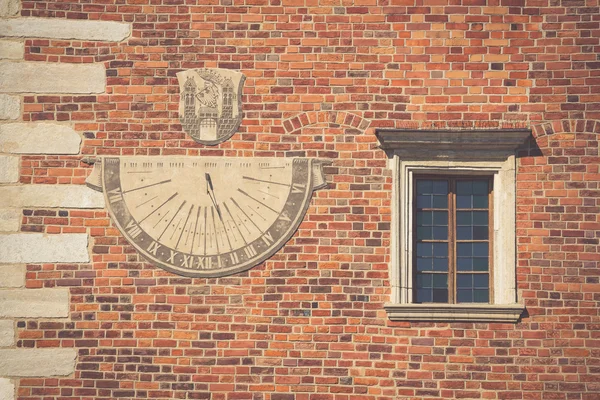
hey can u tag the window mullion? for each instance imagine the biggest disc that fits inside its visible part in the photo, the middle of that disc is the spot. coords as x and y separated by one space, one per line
451 242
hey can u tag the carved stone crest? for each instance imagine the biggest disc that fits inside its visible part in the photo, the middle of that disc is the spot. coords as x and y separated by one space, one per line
210 108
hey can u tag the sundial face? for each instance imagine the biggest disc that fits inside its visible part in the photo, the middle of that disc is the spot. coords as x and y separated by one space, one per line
207 217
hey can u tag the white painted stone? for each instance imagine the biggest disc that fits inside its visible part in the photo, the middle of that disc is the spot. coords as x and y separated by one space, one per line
9 169
12 275
7 333
40 77
10 107
34 303
12 50
7 389
38 138
54 28
21 248
10 219
50 196
37 362
9 8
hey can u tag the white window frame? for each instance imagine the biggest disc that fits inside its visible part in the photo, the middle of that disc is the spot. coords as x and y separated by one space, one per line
413 153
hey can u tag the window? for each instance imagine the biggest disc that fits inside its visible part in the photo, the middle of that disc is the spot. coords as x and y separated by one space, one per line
452 251
453 254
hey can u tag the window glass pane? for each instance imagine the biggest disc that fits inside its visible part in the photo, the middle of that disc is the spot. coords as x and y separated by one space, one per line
424 295
480 249
481 281
440 218
440 264
424 249
424 264
464 281
424 186
424 233
464 296
480 201
424 201
440 187
440 296
440 249
464 187
464 218
480 264
424 218
463 201
424 280
440 233
480 218
480 187
480 232
440 201
464 264
464 249
464 233
481 295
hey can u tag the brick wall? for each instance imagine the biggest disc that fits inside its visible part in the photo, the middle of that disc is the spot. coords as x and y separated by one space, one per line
309 323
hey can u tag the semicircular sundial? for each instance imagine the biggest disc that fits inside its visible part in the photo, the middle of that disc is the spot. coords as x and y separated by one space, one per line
207 217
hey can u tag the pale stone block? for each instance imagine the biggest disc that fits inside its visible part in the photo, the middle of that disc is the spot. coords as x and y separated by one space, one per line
38 138
39 77
107 31
8 8
9 169
12 275
10 220
37 362
11 50
7 333
10 107
7 389
34 303
50 196
22 248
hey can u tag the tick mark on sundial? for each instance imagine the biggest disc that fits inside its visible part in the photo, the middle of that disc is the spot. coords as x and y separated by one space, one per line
265 181
147 186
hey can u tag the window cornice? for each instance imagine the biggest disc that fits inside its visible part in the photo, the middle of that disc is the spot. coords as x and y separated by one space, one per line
483 143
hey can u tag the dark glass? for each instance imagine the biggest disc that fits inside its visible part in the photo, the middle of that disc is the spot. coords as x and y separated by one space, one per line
424 186
464 264
424 201
440 249
480 187
480 249
464 296
440 218
440 187
424 233
424 264
481 295
424 249
480 264
440 264
440 201
480 201
464 233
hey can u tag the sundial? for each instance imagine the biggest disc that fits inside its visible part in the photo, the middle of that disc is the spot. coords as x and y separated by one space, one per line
207 217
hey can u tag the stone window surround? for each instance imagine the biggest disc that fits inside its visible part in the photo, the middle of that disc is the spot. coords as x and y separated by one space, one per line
470 153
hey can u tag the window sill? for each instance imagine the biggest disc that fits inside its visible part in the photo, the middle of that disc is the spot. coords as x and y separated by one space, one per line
455 312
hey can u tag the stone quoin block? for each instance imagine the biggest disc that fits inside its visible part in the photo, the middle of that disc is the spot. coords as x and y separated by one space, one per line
37 77
12 275
7 333
34 303
8 8
39 248
37 362
11 50
7 389
50 196
107 31
10 219
38 138
9 169
10 107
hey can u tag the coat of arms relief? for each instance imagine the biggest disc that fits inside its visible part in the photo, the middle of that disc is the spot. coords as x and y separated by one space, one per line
210 108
